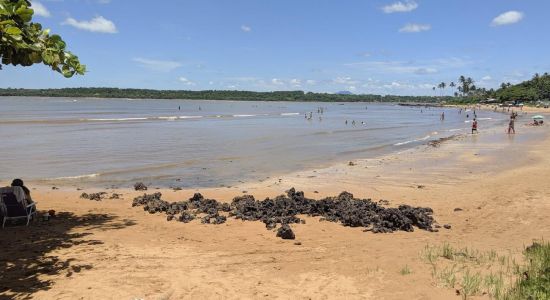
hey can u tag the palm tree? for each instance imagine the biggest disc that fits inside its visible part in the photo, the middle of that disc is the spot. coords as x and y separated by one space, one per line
452 85
462 88
442 86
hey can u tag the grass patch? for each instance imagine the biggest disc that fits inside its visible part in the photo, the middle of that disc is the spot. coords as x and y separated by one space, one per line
405 270
534 281
472 272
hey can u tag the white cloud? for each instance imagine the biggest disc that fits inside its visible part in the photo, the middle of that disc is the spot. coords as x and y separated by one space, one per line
246 28
344 80
311 82
406 6
277 81
40 9
97 24
397 67
487 78
158 65
507 18
412 27
186 81
296 82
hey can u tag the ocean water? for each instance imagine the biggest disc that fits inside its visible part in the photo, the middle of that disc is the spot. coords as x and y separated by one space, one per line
191 143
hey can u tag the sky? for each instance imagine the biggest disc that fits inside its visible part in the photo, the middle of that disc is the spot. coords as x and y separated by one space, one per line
400 47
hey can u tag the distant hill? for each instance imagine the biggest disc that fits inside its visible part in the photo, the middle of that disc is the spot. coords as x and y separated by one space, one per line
344 93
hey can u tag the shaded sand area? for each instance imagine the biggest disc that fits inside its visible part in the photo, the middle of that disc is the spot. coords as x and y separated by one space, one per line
110 250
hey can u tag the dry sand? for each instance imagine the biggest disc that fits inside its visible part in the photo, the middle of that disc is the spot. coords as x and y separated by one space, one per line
109 250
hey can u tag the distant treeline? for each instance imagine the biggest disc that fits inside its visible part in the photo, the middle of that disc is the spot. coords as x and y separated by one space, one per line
536 89
213 95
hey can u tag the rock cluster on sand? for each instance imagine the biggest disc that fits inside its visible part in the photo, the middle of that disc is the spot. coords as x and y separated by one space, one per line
284 210
99 196
139 186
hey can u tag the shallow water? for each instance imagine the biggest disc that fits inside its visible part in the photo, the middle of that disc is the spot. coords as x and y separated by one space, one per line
107 142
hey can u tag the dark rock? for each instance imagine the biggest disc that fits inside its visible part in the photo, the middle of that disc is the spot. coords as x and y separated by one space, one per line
458 209
447 226
286 233
115 196
139 186
298 243
186 217
94 196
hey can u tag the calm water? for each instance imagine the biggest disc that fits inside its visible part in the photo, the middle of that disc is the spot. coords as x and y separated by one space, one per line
107 142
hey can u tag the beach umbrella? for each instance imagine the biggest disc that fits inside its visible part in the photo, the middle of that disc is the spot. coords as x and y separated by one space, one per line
538 117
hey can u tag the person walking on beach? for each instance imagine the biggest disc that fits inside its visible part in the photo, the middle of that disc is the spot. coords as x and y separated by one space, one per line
474 126
511 125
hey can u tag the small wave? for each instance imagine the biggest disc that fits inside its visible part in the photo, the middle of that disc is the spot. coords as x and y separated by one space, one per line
190 117
243 116
168 118
424 138
412 141
116 119
456 129
290 114
481 119
77 177
403 143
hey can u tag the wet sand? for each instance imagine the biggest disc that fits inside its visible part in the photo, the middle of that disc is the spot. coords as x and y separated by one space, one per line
110 250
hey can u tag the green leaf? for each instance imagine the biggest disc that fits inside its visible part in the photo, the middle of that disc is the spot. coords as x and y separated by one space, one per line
13 31
25 13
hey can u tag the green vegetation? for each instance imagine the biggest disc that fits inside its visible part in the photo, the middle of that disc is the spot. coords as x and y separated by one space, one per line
25 43
534 282
212 95
405 270
471 272
538 88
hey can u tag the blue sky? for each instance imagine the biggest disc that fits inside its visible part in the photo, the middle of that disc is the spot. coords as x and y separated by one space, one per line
364 46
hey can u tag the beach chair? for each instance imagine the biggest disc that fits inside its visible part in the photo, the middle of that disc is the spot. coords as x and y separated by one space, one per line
12 208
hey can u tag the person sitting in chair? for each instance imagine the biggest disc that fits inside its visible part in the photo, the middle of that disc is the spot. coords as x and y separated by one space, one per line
19 182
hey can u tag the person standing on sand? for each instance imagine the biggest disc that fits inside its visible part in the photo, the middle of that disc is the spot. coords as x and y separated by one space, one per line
474 126
442 118
511 125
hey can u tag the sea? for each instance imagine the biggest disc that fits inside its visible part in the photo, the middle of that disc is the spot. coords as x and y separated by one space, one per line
200 143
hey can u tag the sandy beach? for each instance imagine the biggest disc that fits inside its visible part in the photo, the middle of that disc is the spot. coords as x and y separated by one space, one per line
110 250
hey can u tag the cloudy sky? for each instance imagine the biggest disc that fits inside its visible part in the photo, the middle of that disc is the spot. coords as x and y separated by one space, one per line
365 46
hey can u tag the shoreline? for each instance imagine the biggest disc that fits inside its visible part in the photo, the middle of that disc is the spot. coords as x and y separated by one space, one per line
111 248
